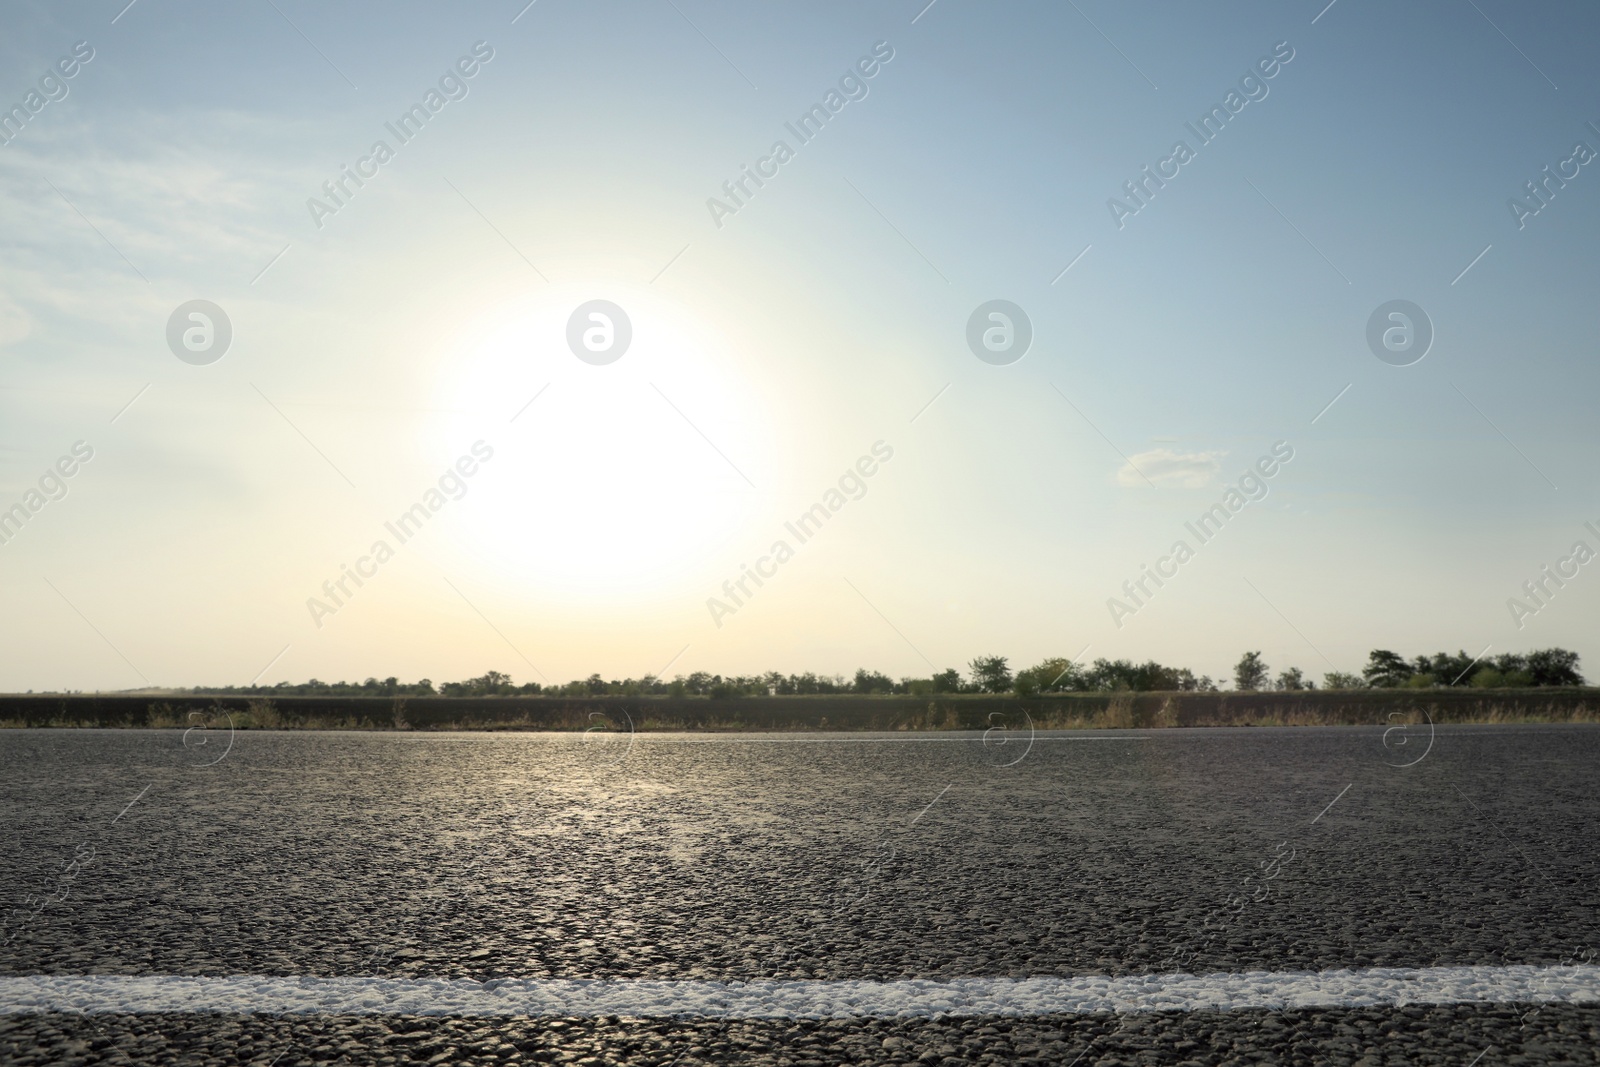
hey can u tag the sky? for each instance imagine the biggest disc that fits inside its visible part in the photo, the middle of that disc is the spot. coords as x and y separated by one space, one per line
421 343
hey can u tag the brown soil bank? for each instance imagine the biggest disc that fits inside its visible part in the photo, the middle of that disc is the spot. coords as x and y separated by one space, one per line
837 712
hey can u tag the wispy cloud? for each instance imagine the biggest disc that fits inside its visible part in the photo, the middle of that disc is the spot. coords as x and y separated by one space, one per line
187 217
1170 468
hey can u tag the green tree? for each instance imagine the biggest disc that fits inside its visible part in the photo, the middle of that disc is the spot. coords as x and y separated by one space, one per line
1487 678
872 682
1293 680
1385 669
1054 675
1250 672
1448 669
991 674
1106 675
1554 666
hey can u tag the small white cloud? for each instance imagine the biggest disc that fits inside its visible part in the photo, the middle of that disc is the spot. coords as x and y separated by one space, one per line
1169 468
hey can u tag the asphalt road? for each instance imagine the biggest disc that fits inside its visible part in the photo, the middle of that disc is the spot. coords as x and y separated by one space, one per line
802 860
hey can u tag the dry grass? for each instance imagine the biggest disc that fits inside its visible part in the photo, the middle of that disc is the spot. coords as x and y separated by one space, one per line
1110 711
164 717
261 714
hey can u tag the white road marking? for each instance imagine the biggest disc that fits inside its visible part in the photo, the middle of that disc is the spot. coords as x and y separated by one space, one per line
541 998
851 740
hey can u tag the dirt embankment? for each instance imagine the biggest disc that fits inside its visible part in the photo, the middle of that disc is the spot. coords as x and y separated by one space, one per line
963 712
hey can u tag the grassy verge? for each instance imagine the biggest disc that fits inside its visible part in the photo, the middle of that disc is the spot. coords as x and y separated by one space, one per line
839 712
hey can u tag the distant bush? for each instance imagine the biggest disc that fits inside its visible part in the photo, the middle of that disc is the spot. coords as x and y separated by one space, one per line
986 674
263 714
1546 667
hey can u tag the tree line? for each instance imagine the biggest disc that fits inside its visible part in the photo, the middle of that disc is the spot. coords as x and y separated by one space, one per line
993 674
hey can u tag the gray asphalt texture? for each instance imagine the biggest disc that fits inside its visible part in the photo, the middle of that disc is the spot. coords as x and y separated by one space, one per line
488 856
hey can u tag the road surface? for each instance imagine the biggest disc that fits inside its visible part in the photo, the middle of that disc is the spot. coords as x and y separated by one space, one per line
1371 895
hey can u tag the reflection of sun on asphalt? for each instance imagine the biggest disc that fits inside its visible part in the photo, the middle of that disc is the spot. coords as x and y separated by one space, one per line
612 481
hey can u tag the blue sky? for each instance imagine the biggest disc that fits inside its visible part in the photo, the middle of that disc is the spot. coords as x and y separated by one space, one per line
772 352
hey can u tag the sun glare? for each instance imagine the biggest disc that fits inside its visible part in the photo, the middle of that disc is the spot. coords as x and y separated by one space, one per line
608 479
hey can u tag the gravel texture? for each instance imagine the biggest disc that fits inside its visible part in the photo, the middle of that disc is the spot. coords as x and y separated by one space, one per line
1442 1036
537 856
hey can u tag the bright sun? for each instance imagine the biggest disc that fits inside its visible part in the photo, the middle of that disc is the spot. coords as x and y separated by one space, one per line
607 479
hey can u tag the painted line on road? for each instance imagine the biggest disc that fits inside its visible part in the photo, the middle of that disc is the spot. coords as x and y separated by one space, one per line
849 740
774 999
